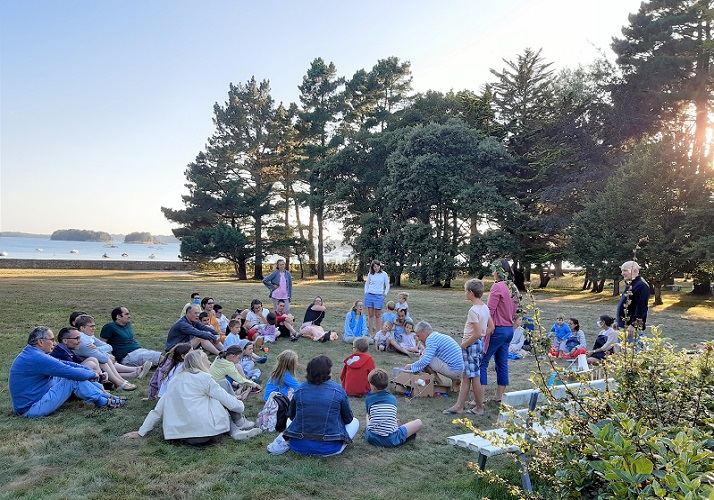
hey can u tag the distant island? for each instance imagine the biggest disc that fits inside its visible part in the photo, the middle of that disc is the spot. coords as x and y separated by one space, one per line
141 237
20 234
80 235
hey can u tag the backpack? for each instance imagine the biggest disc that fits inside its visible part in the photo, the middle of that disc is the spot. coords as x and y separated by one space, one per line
274 415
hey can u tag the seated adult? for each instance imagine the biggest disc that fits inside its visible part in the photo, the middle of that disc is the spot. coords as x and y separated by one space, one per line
605 342
442 355
120 336
257 315
320 422
39 383
356 324
195 409
311 328
189 330
284 320
91 346
207 304
69 338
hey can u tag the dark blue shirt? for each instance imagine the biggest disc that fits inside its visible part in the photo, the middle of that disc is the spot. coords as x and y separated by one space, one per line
636 294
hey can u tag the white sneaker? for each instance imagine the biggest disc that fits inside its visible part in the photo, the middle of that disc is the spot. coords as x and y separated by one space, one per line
239 435
279 445
245 424
144 370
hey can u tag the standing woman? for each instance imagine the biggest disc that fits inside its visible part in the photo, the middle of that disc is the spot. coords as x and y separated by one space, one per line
502 304
376 287
280 284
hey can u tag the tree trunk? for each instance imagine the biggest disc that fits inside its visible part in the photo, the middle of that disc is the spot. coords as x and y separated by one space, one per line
601 285
241 270
436 283
703 288
320 246
447 283
311 242
397 277
544 278
519 278
616 288
558 263
658 293
360 269
258 274
586 281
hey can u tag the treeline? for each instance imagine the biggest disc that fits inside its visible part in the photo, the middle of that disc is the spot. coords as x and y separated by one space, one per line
539 166
80 235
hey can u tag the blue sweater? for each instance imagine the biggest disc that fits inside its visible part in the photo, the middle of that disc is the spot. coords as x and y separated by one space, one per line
183 329
31 376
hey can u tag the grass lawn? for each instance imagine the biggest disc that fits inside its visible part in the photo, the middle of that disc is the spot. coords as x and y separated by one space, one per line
78 452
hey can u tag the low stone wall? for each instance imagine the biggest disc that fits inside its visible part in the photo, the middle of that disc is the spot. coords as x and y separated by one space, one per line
108 265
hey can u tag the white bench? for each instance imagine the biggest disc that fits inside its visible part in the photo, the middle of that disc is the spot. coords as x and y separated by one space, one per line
523 401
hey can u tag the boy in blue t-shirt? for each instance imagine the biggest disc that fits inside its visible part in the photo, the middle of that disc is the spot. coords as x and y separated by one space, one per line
383 428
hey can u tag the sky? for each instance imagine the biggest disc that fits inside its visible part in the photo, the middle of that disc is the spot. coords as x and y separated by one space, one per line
104 103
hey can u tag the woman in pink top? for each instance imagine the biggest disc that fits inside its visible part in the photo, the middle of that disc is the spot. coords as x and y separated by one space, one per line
502 304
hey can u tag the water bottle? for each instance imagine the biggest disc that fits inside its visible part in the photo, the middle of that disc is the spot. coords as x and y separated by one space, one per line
551 380
408 394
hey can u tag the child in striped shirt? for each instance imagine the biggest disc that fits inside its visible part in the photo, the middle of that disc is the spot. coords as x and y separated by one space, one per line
383 428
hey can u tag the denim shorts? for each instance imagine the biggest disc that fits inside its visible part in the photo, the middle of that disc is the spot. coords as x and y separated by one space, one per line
374 300
392 441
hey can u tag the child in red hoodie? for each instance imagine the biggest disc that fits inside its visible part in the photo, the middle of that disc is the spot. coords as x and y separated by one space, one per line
356 369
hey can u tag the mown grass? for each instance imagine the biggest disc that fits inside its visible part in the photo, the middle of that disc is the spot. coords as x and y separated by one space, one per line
79 452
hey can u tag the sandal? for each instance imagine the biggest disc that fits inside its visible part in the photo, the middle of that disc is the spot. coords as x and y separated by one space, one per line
127 386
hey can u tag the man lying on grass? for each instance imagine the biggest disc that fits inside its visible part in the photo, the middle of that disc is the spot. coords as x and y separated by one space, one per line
39 383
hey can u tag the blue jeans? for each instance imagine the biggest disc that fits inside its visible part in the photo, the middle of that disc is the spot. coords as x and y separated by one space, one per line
498 350
60 391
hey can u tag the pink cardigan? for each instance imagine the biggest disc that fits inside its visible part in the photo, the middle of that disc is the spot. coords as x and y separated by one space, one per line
501 305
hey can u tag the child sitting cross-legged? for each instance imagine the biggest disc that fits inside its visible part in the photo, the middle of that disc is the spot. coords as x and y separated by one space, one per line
383 428
357 367
381 338
561 333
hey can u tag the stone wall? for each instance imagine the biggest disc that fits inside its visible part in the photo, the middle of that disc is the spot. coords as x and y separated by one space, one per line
109 265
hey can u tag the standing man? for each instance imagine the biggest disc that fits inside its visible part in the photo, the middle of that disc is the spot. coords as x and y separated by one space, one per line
632 309
189 330
442 355
39 383
120 336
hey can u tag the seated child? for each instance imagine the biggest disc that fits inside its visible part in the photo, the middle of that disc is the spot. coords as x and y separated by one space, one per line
248 359
381 338
383 428
391 314
229 375
204 318
169 364
283 377
357 367
562 332
409 341
519 338
402 302
222 322
270 331
233 333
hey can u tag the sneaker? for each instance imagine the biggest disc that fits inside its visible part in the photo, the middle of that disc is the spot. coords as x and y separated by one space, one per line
239 435
262 359
244 424
144 370
278 446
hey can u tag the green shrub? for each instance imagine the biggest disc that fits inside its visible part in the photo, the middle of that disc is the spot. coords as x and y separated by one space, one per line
650 436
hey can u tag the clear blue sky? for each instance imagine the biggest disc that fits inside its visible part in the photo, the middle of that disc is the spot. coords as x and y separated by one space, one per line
104 103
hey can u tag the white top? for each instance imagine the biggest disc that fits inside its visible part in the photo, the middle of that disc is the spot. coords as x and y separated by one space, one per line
477 314
259 321
377 283
194 406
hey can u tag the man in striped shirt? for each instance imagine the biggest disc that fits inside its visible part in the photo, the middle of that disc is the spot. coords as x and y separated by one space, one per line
442 355
383 428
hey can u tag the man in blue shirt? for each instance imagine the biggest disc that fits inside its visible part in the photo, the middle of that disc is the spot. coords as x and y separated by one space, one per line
442 355
39 383
189 330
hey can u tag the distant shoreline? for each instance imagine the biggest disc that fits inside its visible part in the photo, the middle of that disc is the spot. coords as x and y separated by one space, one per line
108 265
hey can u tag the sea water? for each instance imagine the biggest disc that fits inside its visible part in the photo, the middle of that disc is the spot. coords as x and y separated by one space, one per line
45 248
